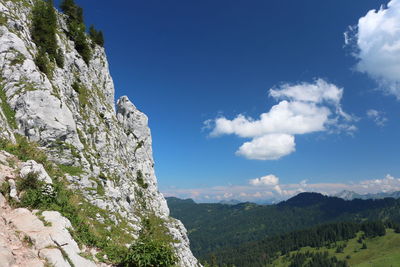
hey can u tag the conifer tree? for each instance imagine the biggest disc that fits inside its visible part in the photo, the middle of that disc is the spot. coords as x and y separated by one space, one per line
96 36
77 28
44 25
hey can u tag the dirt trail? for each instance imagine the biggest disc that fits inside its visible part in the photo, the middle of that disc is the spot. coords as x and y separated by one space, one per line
15 249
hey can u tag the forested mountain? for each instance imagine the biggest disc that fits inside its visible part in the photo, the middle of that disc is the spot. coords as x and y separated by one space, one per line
289 248
213 226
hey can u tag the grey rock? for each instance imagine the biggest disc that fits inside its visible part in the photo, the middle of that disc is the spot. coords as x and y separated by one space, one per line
32 166
13 190
60 235
54 257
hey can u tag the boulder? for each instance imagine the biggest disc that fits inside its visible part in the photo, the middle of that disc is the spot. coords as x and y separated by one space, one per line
32 166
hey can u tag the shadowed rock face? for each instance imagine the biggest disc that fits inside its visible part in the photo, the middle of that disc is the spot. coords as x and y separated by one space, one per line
73 117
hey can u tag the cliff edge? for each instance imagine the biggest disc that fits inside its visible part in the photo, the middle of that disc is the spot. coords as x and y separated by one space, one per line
101 152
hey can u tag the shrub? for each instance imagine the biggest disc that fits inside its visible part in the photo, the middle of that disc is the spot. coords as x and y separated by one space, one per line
37 194
81 45
7 110
60 58
146 252
43 62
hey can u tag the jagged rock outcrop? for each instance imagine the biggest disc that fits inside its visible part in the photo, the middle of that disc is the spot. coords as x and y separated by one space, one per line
71 114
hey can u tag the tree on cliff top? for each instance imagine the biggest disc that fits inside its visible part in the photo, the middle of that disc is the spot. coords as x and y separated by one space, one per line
77 28
44 26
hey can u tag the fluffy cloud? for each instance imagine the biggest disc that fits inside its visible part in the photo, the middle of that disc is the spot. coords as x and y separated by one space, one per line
302 108
387 184
377 41
377 116
268 147
265 180
317 92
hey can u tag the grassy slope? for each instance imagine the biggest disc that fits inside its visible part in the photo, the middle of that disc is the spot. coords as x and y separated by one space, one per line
381 251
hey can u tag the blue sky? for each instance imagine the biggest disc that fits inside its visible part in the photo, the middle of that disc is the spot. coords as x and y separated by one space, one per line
184 63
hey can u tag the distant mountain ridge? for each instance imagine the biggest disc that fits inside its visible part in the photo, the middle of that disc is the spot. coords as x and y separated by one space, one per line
350 195
230 202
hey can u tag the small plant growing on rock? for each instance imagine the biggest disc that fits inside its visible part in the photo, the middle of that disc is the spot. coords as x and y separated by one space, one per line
28 241
153 248
7 110
140 180
148 252
36 194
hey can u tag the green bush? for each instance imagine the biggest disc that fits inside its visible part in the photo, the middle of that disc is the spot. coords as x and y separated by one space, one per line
36 194
146 252
60 58
43 62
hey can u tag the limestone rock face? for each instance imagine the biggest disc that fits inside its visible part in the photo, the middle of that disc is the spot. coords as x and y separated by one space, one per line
71 114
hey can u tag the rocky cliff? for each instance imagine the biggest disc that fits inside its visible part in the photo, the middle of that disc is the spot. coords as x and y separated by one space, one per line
103 150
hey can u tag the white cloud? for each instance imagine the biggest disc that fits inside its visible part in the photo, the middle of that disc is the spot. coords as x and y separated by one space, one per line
278 189
377 116
377 42
268 147
268 180
317 92
303 108
286 117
